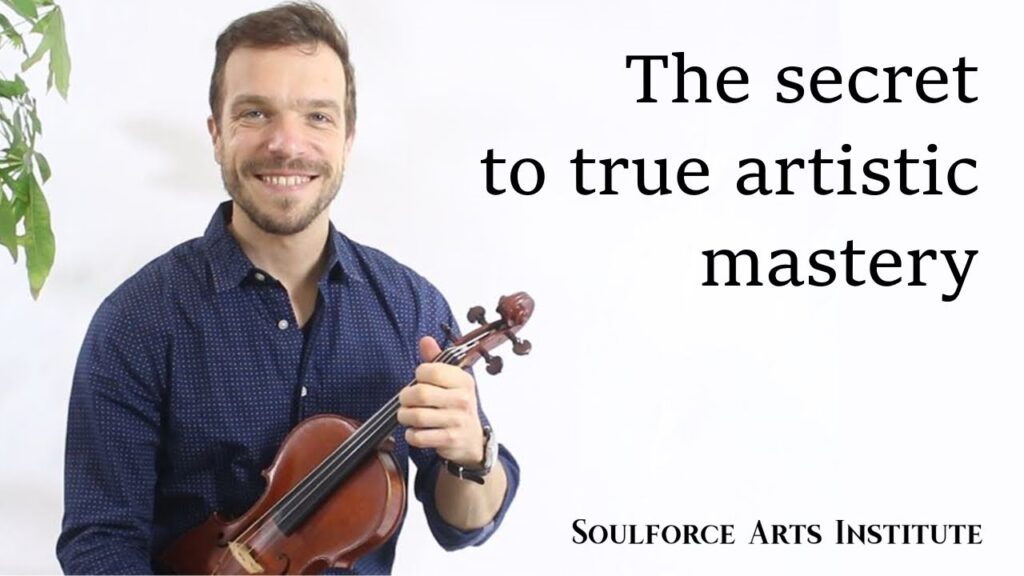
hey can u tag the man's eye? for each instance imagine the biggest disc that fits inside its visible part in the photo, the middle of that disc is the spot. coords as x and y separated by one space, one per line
253 114
320 118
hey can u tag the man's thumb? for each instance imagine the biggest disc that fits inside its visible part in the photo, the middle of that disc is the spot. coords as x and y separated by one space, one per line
429 348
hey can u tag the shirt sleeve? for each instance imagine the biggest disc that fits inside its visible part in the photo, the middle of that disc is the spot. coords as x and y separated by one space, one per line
111 450
448 536
429 465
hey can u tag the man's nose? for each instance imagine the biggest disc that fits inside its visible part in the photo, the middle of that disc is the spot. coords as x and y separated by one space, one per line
287 136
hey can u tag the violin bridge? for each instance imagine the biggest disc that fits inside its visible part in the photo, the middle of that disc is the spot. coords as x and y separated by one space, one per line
243 555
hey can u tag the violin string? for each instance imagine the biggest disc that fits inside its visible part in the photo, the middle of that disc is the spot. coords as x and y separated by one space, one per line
294 497
302 486
315 480
357 442
334 462
313 485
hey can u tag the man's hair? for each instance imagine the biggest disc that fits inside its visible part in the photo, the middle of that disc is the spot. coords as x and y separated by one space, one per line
290 24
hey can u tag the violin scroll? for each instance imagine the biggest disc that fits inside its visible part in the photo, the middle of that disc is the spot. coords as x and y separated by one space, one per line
514 312
516 309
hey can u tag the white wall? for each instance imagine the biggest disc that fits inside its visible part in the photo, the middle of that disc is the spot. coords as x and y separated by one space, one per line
648 398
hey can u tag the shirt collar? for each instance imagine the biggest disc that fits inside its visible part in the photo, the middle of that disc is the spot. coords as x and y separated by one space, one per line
341 258
230 267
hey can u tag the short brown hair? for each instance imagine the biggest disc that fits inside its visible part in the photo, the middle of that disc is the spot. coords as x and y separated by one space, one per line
290 24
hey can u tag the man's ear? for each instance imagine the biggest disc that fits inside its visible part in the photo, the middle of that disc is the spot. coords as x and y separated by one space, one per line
211 126
348 142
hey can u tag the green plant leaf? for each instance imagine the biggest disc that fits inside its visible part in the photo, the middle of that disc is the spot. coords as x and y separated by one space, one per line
28 160
5 126
8 231
18 142
8 30
60 58
51 26
25 8
12 184
41 26
44 166
19 192
37 126
40 245
13 88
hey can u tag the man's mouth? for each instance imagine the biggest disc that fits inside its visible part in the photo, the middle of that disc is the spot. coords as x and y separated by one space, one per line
286 181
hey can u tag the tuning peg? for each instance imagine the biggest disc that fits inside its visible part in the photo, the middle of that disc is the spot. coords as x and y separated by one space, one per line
494 365
448 333
476 315
520 347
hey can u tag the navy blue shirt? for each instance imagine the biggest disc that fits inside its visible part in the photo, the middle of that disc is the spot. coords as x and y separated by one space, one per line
193 372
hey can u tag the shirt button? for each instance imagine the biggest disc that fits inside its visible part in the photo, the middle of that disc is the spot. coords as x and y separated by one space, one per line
282 324
304 391
260 276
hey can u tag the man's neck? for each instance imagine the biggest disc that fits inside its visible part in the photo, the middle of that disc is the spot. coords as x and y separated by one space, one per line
295 260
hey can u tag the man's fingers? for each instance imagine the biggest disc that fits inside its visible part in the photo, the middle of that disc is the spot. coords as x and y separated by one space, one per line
443 375
429 349
437 438
427 417
437 373
427 396
418 395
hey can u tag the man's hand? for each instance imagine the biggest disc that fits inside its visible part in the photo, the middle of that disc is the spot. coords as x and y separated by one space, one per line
440 410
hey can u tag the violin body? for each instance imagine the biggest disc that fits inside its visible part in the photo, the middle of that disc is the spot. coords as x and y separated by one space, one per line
360 515
334 491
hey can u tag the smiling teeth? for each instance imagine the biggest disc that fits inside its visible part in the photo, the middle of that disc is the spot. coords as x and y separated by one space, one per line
286 180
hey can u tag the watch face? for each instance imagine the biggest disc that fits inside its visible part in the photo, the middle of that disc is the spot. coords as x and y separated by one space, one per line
490 450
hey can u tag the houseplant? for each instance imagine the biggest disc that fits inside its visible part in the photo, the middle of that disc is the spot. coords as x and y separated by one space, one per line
34 31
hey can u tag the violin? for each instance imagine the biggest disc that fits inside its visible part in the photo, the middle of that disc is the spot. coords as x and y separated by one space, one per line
334 490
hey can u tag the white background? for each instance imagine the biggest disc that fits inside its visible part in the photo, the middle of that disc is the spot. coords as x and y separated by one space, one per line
648 397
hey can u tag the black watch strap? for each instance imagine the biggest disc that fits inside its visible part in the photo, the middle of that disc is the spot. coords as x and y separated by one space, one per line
476 474
463 473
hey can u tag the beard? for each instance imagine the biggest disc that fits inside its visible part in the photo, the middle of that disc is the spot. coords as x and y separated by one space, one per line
281 219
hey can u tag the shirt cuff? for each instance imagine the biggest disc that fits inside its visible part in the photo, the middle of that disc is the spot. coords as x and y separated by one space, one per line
448 536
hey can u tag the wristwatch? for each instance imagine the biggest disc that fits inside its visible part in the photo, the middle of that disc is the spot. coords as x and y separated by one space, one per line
477 474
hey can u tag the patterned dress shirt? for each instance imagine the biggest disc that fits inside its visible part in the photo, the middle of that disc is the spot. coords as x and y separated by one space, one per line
193 372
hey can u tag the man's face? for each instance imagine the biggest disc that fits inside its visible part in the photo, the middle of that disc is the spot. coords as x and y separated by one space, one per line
281 141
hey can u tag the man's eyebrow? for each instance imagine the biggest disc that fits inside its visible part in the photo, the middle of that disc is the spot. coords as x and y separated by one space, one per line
302 103
249 100
319 104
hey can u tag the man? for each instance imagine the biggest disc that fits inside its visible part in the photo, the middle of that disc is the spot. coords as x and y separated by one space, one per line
195 369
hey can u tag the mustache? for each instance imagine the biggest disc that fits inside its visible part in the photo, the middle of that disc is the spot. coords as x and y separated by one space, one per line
261 165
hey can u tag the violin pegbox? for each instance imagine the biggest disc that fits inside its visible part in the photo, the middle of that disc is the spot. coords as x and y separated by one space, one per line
513 311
